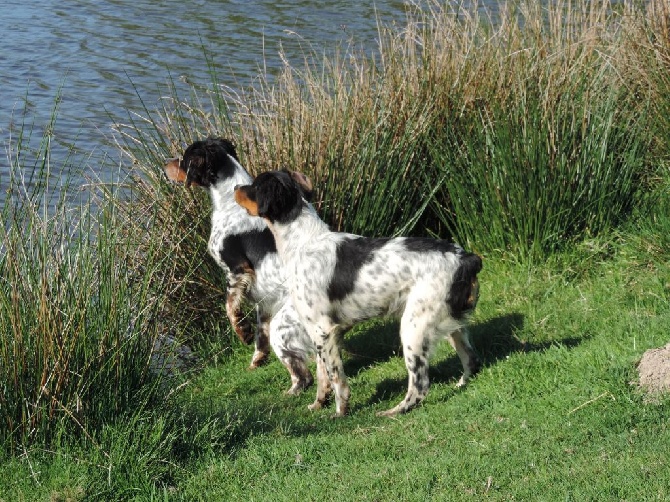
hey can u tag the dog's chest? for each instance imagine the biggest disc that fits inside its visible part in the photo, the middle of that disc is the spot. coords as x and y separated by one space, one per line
239 242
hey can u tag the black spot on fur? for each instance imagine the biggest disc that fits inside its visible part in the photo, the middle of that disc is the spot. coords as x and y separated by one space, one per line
279 197
352 254
247 250
425 244
464 280
208 161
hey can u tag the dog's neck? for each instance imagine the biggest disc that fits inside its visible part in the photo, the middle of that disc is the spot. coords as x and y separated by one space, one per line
226 213
222 191
293 236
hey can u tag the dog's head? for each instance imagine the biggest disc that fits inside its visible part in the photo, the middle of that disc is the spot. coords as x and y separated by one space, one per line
204 163
277 196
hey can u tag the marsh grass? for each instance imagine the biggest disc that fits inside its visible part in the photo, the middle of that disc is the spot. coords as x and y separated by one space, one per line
78 316
542 182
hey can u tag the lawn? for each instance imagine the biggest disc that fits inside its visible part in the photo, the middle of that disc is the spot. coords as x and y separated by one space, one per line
554 414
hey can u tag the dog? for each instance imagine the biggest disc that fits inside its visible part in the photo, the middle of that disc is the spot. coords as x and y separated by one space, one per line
338 279
244 248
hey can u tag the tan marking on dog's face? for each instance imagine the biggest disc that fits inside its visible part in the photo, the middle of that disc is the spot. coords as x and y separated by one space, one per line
174 171
243 200
303 181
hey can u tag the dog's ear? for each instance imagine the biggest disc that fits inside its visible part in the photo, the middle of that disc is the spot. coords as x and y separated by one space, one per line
226 145
304 183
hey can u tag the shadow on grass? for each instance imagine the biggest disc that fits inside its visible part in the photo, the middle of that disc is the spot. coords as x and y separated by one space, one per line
494 340
253 406
374 343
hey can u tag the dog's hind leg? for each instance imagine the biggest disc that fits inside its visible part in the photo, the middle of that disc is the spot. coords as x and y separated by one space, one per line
460 341
416 327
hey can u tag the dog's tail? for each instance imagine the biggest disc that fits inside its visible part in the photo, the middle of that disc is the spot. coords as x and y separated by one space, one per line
464 290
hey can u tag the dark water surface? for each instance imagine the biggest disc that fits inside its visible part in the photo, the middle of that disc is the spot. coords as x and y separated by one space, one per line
109 56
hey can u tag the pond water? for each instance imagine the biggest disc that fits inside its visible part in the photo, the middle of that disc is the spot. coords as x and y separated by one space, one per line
106 58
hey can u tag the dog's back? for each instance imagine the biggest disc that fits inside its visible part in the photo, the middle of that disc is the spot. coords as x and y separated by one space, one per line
385 271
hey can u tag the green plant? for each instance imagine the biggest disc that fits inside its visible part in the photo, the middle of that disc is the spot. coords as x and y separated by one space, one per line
78 316
541 181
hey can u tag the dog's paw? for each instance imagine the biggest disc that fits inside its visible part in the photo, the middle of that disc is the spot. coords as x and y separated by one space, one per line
258 359
298 387
462 382
387 413
316 405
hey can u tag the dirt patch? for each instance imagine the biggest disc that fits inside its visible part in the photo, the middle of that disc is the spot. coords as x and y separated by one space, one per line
654 371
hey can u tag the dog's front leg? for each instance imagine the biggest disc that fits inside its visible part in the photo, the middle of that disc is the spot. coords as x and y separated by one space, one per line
328 356
238 285
262 340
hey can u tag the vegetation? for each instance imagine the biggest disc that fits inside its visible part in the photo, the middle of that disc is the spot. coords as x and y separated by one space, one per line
551 416
536 136
81 342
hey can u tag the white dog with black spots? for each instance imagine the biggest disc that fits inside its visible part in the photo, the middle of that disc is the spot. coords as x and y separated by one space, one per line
338 279
245 249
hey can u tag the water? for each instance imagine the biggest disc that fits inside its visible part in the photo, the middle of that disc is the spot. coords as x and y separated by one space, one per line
108 57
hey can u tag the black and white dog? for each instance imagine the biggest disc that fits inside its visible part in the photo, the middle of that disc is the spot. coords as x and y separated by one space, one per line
244 247
337 279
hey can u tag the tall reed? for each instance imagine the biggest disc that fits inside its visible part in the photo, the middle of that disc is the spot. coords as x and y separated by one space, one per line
78 318
556 145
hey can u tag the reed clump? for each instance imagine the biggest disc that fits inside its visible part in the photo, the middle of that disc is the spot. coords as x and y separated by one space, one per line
81 341
515 126
518 127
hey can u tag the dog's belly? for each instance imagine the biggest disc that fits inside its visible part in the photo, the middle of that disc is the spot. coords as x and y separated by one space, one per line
369 304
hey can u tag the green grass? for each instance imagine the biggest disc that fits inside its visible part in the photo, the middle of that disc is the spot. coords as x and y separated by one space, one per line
552 416
79 306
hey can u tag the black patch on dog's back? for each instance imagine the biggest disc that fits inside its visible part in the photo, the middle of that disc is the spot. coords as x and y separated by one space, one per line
352 254
207 161
461 292
425 244
246 250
